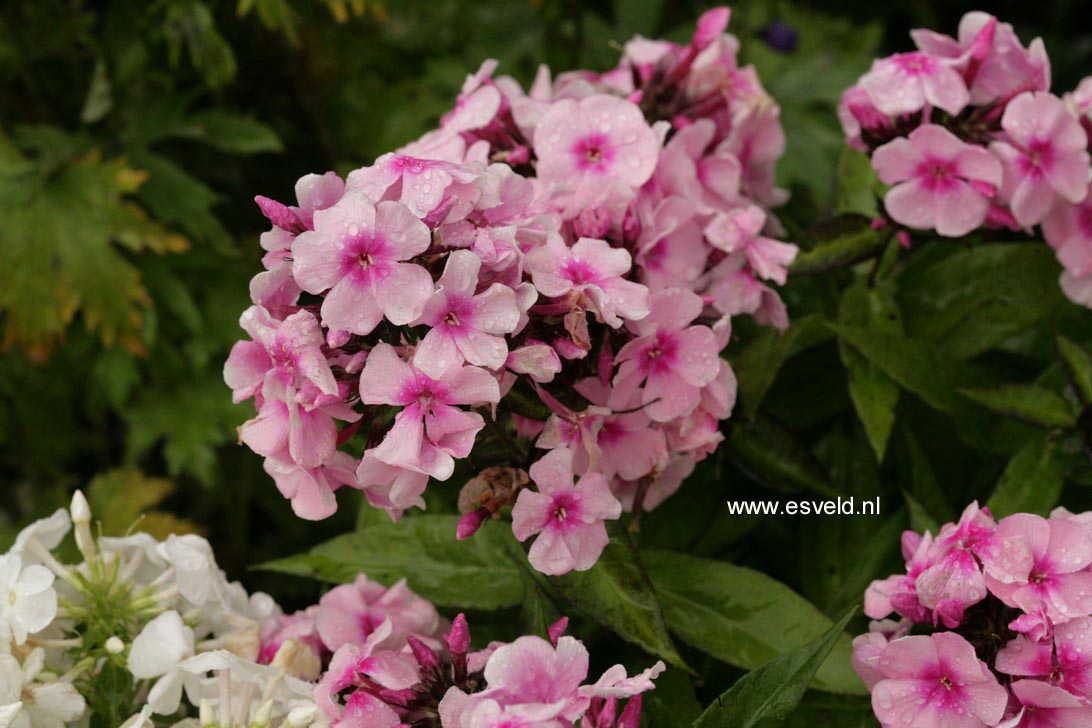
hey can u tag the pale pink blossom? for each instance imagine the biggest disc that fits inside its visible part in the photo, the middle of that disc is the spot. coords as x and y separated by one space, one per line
390 487
311 490
283 355
1044 155
1045 706
936 680
595 140
568 517
430 430
464 326
741 230
671 358
366 663
299 428
1068 229
591 274
356 257
905 82
1056 575
350 613
940 182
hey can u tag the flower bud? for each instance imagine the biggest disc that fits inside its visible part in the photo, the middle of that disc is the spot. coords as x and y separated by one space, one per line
115 646
263 716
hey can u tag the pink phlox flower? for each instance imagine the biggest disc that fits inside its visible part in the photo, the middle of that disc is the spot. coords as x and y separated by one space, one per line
594 140
940 182
990 55
431 430
356 256
757 139
568 517
954 581
300 427
905 82
282 356
365 667
532 671
420 184
670 250
465 326
314 192
898 593
733 289
670 357
664 484
936 680
1044 155
349 614
535 359
478 102
1055 578
1068 230
1067 662
311 490
741 229
391 487
590 274
1046 706
628 445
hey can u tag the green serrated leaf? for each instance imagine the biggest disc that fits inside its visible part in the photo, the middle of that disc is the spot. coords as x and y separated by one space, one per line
618 594
1078 367
1028 403
1032 481
773 690
838 243
742 616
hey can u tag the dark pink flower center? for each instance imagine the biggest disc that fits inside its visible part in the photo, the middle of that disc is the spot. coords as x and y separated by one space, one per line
363 252
914 64
937 175
593 152
579 272
1039 158
566 507
660 354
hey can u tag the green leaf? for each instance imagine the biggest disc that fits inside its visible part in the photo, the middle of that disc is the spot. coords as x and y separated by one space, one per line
742 616
231 132
618 594
673 702
969 301
917 365
757 365
1032 481
478 573
774 689
838 243
858 187
1028 403
1078 367
874 394
99 100
61 251
770 454
189 434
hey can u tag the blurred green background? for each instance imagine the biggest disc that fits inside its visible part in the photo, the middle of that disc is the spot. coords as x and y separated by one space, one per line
134 135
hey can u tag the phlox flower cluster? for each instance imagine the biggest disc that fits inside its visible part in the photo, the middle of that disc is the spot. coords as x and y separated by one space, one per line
991 625
153 633
543 283
968 135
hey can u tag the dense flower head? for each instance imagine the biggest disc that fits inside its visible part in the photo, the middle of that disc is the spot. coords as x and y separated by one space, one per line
969 136
994 625
547 276
153 629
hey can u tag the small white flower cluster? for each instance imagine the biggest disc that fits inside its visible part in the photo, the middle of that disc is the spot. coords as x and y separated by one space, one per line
138 628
